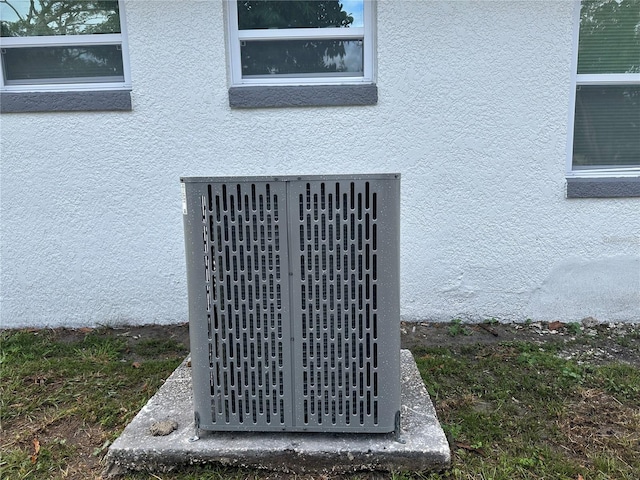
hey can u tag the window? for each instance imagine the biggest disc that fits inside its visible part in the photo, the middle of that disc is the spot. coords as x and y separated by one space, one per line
55 52
301 52
605 145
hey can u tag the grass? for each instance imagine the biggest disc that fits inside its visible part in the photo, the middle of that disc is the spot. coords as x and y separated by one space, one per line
54 392
518 411
510 410
457 328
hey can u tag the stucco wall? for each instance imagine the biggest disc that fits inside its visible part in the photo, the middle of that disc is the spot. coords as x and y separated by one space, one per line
473 108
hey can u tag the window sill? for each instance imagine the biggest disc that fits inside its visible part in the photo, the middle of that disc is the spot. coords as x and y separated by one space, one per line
603 187
302 96
80 101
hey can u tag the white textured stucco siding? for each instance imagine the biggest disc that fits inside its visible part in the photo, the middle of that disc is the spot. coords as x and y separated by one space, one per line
473 110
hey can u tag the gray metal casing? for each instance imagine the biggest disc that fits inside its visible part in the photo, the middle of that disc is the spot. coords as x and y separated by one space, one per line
293 289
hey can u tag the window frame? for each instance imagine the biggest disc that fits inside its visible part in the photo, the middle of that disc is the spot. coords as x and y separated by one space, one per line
366 33
601 180
119 39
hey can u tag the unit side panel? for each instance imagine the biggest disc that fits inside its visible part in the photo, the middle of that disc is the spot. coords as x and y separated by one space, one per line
243 319
196 248
345 304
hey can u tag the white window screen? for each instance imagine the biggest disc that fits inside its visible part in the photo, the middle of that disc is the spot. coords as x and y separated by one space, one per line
606 130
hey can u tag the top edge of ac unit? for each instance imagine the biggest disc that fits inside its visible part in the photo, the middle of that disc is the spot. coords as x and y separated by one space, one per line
292 178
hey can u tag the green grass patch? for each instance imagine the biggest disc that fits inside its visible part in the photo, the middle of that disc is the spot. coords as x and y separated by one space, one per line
456 327
515 410
157 347
518 410
53 391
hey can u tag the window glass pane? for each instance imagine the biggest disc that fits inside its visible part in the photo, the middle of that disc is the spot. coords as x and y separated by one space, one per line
609 36
80 64
291 57
259 14
607 126
27 18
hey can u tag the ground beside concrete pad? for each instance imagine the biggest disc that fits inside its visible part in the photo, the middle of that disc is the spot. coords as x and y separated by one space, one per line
423 448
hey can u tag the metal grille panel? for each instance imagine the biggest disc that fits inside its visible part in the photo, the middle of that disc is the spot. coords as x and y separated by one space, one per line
294 319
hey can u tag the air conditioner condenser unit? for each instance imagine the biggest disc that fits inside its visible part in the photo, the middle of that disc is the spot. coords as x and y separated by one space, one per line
293 286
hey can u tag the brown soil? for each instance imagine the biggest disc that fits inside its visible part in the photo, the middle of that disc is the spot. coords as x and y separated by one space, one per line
595 343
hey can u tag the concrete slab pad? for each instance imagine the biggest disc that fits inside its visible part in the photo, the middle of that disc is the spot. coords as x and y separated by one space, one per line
424 446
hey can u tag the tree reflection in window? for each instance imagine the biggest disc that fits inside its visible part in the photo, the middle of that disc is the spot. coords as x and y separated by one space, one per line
609 37
607 115
67 60
29 18
291 57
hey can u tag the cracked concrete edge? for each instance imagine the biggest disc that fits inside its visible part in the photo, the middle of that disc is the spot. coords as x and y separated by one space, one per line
419 421
336 463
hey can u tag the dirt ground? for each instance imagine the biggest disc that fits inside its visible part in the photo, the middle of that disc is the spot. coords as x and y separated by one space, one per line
587 342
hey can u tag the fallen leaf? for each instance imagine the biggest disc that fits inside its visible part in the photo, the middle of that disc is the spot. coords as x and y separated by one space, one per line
86 330
489 329
36 450
580 477
99 450
38 380
469 448
557 325
136 364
